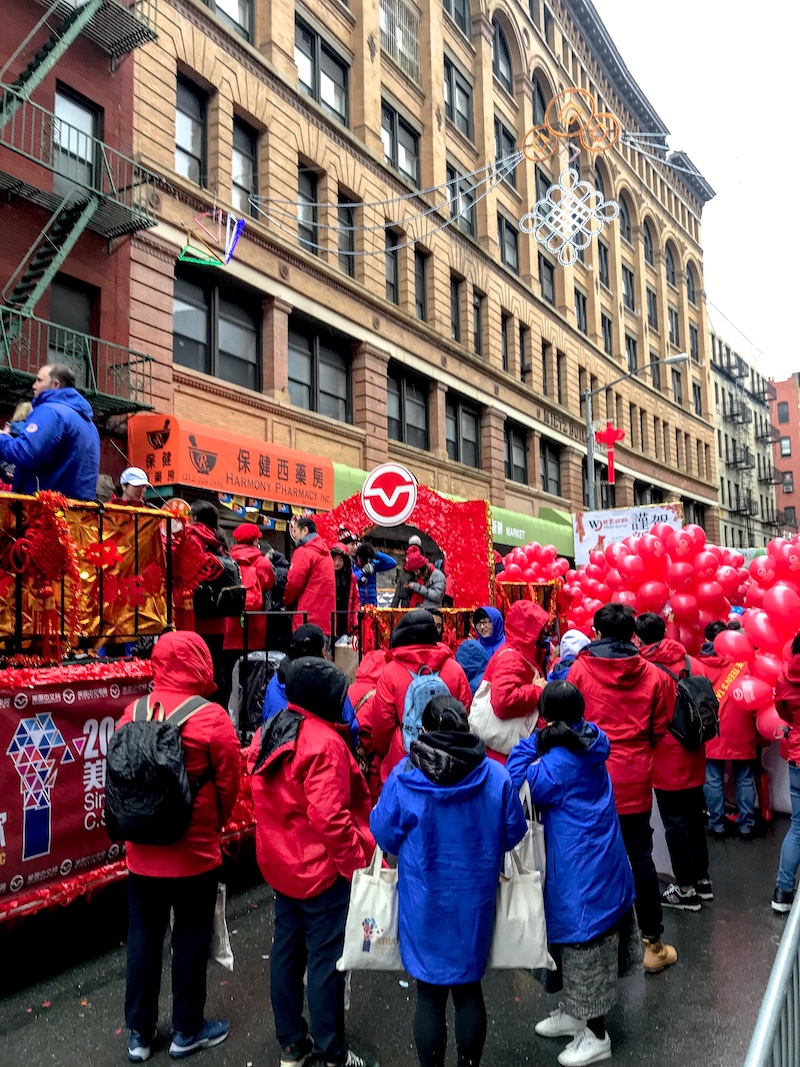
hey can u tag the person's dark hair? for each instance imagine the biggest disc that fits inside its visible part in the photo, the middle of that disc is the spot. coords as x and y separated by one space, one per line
796 645
479 615
436 612
445 713
307 524
60 372
714 629
365 553
615 620
650 628
415 628
563 706
204 511
307 640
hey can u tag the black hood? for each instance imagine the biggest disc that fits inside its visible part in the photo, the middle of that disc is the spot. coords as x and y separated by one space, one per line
278 732
316 685
611 648
415 628
445 757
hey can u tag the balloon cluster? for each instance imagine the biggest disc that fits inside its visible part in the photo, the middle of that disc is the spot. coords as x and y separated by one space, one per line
533 563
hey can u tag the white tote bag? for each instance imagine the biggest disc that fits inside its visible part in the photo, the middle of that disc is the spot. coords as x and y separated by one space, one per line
371 939
520 933
531 849
500 735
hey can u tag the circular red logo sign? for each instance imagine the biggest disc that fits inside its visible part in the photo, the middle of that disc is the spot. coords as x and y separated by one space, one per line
389 494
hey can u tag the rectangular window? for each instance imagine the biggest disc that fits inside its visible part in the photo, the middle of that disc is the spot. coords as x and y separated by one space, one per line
458 10
581 318
783 411
694 344
216 331
244 168
547 280
546 348
652 310
463 425
607 327
505 326
477 322
655 370
657 437
524 354
549 29
561 378
407 406
543 184
677 387
630 352
400 35
505 144
634 424
674 329
455 307
516 454
643 429
307 209
786 446
75 143
628 289
347 236
400 144
322 75
697 398
190 132
421 285
457 98
392 266
790 515
508 239
602 264
319 370
461 195
550 467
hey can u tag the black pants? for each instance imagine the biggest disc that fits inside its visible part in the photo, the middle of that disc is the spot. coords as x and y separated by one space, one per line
638 837
149 902
310 932
430 1023
683 815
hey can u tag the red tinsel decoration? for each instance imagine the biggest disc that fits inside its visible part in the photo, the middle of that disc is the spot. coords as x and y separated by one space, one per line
37 674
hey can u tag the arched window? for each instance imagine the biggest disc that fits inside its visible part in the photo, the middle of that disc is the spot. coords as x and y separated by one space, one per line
501 58
539 103
624 220
599 184
669 259
648 244
691 288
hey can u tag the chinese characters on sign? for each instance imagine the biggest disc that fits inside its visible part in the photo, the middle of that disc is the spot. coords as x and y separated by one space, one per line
599 529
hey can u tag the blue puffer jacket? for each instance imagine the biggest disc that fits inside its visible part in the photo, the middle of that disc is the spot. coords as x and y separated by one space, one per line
368 585
498 637
473 659
275 700
449 814
589 884
59 447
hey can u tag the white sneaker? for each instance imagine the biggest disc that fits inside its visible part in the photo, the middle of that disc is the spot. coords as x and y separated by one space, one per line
584 1049
559 1024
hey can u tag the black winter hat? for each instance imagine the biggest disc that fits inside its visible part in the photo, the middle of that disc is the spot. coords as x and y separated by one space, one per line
316 685
416 628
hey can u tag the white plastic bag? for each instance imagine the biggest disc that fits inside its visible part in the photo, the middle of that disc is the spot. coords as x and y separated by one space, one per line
500 735
520 933
221 950
371 938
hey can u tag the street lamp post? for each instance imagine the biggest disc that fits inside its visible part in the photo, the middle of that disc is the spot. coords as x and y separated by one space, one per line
681 357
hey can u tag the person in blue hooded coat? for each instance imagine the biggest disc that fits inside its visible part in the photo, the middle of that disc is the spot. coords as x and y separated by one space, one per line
473 659
59 446
490 628
588 892
448 794
573 642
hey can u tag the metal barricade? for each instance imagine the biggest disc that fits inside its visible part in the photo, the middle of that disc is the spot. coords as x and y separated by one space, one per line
776 1038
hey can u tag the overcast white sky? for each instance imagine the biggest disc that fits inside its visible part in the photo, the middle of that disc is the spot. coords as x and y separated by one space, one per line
723 74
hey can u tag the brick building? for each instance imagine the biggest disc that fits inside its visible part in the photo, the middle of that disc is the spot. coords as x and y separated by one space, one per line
786 451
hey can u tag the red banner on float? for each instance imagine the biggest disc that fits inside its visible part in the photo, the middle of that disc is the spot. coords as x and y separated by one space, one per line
53 741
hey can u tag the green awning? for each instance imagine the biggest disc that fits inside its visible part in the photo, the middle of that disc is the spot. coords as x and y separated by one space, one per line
346 482
513 528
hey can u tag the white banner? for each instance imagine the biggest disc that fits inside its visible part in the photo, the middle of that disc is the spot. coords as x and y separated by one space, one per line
599 529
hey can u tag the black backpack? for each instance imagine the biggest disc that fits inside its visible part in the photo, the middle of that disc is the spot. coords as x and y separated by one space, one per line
222 596
149 797
696 716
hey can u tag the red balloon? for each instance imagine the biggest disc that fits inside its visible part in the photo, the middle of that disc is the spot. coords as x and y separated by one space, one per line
632 569
614 579
767 665
762 571
652 596
530 574
549 554
604 593
748 693
709 595
735 644
683 547
684 606
697 535
705 565
598 558
651 548
593 571
624 596
737 559
775 545
615 552
760 630
680 576
728 578
754 596
512 573
787 562
769 724
782 605
703 618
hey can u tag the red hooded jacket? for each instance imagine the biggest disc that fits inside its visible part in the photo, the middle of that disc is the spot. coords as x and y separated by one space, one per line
250 558
629 700
787 701
311 585
182 668
390 694
514 666
738 735
202 540
362 697
674 767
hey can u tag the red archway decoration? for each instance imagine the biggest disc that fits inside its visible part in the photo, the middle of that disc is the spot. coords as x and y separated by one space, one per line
462 529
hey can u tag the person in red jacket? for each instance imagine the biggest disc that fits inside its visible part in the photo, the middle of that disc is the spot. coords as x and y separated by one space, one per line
515 670
311 583
414 646
736 742
183 876
312 811
362 697
348 602
678 779
258 578
787 701
629 699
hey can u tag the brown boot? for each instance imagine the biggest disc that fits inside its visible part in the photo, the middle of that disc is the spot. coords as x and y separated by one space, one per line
657 956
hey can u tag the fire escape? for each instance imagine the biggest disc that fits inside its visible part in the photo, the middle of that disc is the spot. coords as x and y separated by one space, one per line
768 434
83 184
741 460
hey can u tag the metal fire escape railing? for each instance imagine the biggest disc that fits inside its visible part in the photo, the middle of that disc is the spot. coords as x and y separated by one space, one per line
776 1038
114 379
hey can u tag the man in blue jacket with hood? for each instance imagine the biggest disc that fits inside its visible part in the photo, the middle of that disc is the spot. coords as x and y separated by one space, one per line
59 447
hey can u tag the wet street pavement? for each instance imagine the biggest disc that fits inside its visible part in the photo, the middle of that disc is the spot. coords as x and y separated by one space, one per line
62 983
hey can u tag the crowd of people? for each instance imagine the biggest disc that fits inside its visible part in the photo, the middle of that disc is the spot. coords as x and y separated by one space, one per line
396 758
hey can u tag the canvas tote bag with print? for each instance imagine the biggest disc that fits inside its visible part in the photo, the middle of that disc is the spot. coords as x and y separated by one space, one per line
371 939
520 933
500 735
531 849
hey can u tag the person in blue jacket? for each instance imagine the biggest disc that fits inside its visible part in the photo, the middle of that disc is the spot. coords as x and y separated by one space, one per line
588 892
59 446
449 814
369 563
489 627
473 659
573 642
307 640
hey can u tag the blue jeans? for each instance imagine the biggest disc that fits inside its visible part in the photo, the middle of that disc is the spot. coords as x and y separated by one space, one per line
790 849
745 793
